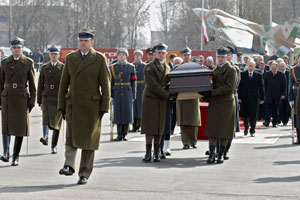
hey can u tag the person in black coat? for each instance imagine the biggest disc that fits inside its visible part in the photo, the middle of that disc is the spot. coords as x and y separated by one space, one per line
263 70
275 91
284 109
251 94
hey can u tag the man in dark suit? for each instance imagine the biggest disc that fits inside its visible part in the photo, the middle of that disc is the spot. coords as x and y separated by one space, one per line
285 109
275 87
251 94
171 61
263 70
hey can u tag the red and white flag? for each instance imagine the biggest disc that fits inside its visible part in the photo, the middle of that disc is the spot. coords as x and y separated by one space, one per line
205 33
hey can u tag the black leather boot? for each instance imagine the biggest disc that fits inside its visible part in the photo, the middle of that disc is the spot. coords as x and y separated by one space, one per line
147 157
211 158
6 142
17 149
55 136
138 125
162 154
124 132
119 129
156 157
133 126
227 150
220 155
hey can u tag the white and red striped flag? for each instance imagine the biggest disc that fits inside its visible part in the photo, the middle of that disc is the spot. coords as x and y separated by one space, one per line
205 33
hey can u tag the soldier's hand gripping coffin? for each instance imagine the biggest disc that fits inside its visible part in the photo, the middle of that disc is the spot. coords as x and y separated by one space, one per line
190 77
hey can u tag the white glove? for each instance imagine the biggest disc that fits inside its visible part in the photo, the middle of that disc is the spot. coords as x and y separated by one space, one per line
292 104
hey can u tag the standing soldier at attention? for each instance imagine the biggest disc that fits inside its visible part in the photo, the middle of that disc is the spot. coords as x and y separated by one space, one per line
137 106
18 93
221 107
48 85
188 113
83 99
150 55
155 99
293 95
123 84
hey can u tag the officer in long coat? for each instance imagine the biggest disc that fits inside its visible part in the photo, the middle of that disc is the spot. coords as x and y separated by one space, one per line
83 99
140 82
17 76
188 113
237 106
155 99
221 108
48 84
123 92
294 82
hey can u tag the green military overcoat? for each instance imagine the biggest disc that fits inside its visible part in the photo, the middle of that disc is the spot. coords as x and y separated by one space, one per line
18 90
221 110
155 98
188 112
47 95
84 91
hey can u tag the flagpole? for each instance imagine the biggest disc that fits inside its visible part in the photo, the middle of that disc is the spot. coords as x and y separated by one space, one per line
202 25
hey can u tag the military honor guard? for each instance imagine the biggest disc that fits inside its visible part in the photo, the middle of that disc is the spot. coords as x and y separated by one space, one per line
18 93
83 99
237 106
150 55
222 107
294 82
123 93
47 97
155 98
188 113
140 86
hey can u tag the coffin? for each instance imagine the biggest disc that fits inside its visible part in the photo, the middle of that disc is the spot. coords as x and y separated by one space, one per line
190 77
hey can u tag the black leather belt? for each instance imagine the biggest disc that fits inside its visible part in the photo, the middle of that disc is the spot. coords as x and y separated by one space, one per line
51 87
15 85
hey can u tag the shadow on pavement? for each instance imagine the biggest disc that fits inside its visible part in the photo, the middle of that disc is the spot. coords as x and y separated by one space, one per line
276 146
38 188
35 155
296 162
165 163
278 179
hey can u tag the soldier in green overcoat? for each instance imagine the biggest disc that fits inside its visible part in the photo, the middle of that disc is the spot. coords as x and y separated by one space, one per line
18 93
154 103
47 97
83 99
188 113
221 111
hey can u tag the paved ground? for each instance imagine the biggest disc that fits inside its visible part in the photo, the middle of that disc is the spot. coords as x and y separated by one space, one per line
265 167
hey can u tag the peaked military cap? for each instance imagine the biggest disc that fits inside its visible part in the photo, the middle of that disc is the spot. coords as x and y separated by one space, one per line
222 51
16 41
231 49
186 50
150 51
161 47
239 54
86 34
54 49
